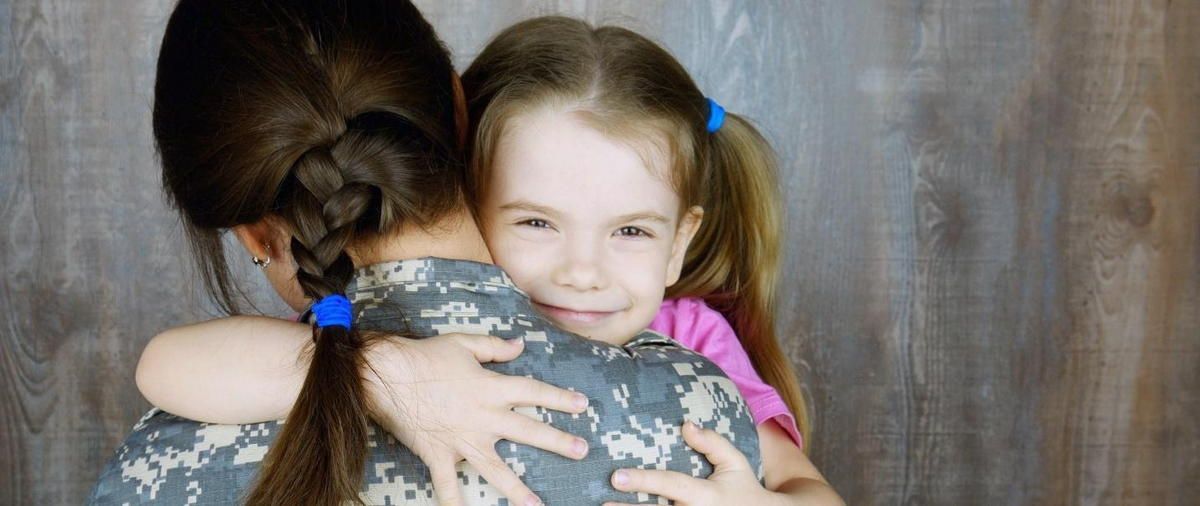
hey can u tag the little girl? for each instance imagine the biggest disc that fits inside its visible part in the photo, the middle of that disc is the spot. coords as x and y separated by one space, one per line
602 177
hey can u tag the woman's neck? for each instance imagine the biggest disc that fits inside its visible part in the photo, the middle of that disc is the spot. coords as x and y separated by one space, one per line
454 237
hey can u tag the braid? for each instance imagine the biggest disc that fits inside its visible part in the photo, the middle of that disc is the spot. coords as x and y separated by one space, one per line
327 212
329 207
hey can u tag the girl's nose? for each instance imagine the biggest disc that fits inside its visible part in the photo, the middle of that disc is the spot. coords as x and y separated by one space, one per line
581 270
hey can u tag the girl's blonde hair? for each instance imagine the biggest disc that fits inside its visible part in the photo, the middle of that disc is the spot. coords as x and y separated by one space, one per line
631 89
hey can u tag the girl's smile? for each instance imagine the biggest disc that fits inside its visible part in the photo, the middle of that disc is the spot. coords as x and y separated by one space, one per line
561 315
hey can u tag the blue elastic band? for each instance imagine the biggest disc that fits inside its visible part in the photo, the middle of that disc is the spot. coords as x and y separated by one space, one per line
332 311
716 116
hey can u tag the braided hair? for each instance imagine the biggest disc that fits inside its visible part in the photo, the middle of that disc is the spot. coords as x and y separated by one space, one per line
337 119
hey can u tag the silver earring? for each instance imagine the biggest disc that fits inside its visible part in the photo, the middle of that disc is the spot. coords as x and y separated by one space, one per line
262 264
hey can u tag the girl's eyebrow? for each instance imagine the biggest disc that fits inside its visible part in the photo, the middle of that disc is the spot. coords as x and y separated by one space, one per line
525 205
643 216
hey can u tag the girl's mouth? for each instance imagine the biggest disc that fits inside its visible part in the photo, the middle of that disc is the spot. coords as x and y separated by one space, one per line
573 316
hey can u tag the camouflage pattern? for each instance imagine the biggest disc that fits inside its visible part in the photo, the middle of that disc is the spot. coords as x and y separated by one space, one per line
639 395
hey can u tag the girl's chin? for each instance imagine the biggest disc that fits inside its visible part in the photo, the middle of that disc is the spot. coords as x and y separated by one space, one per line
595 333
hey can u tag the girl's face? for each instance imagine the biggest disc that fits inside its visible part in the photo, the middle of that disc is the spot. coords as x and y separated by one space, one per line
583 226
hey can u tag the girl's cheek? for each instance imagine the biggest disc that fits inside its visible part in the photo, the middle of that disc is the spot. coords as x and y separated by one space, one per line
517 258
651 257
644 271
516 244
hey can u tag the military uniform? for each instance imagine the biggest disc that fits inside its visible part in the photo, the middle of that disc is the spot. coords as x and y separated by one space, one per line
639 394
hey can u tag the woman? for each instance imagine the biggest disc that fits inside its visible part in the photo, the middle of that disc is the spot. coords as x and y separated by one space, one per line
327 135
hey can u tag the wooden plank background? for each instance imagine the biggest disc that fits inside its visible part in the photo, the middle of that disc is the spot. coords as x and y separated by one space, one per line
993 277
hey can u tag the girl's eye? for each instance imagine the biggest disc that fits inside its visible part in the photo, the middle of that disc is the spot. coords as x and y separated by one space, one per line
535 223
632 232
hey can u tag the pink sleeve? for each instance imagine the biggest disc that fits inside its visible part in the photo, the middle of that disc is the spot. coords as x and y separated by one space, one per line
705 331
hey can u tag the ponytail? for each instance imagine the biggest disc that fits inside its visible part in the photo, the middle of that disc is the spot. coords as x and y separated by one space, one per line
734 260
319 455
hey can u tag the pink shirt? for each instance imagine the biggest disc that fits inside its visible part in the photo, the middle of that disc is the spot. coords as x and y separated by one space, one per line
704 330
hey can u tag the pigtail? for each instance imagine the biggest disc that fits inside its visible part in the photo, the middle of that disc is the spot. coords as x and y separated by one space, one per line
734 260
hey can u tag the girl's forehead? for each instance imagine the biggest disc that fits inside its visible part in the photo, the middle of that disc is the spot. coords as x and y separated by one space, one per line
561 161
567 132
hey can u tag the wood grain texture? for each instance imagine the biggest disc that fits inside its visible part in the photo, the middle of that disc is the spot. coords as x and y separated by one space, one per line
993 278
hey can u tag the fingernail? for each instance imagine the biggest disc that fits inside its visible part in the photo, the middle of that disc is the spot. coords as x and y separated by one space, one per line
621 478
533 500
580 401
580 447
516 342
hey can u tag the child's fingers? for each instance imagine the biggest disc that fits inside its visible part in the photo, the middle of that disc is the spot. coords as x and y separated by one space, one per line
444 477
672 485
720 452
524 430
499 475
522 391
489 348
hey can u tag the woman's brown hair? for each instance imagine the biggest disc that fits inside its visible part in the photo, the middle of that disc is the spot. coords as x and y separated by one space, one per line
632 89
335 119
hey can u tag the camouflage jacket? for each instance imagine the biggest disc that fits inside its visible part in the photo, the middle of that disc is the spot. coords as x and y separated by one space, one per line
639 395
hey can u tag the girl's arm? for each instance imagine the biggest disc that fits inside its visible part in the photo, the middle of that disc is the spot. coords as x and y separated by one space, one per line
241 369
790 478
432 394
788 471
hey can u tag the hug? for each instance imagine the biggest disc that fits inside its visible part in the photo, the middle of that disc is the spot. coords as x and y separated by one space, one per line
548 281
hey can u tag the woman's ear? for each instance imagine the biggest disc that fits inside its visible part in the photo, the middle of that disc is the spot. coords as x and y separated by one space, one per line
688 225
460 110
268 240
257 238
265 239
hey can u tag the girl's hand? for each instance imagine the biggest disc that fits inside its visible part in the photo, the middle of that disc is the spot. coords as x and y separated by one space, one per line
732 480
434 397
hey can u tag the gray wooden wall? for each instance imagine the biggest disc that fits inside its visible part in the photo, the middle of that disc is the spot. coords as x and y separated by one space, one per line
993 277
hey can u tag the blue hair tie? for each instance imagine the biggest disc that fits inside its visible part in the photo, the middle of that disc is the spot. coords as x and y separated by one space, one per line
716 116
332 311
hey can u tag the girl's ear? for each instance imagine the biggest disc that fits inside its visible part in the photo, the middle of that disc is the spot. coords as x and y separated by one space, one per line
460 110
688 225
